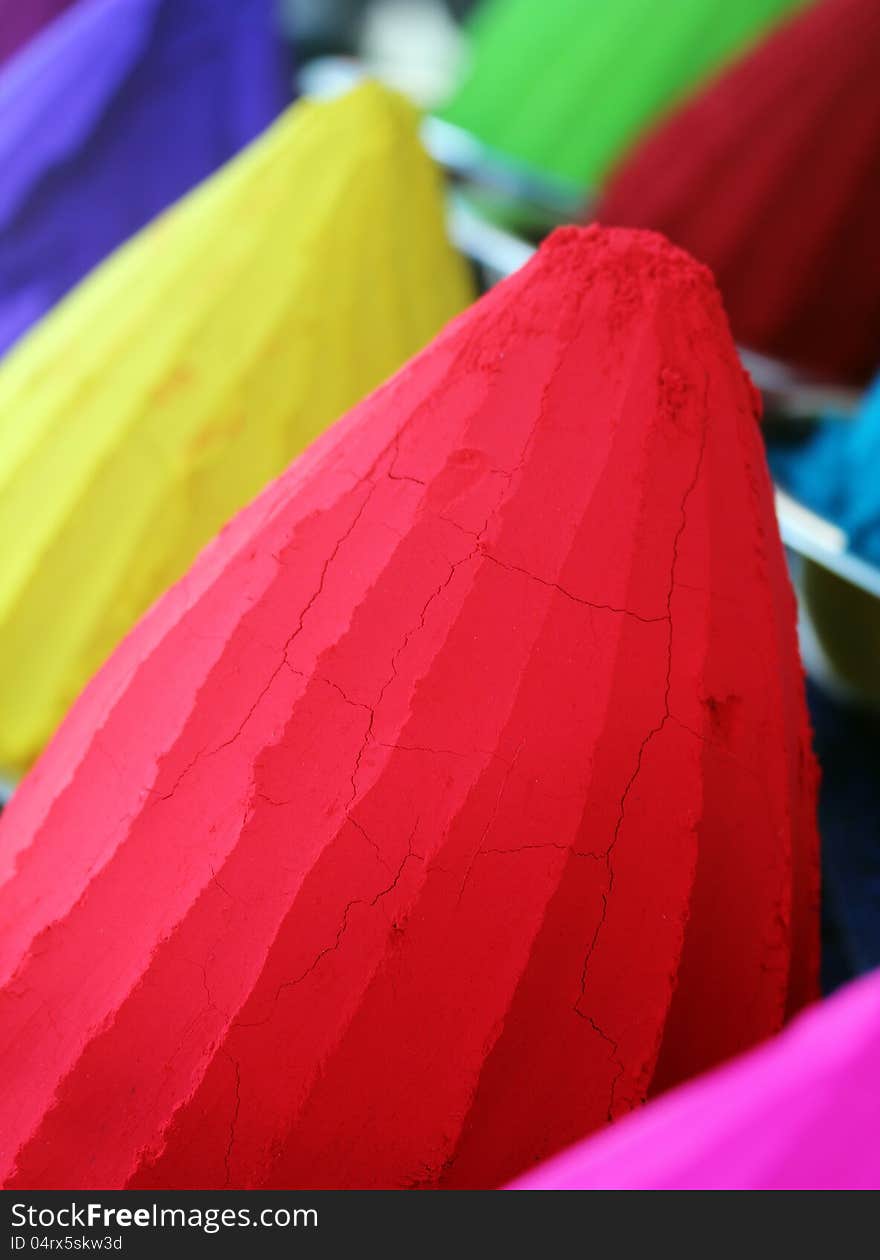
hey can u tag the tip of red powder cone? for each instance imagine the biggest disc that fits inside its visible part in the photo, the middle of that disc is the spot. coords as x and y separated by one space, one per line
585 251
646 260
644 266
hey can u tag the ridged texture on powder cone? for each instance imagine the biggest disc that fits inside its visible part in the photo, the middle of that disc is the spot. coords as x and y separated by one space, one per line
187 371
91 140
801 1113
21 20
772 177
567 85
423 777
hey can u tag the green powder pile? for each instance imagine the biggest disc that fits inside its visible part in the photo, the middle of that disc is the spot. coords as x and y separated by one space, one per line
567 85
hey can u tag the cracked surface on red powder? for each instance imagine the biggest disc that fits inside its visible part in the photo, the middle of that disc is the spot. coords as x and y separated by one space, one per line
465 774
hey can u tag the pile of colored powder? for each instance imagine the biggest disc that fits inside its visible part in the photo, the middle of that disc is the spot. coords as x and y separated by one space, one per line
91 141
772 178
801 1113
189 369
567 85
836 472
462 787
21 20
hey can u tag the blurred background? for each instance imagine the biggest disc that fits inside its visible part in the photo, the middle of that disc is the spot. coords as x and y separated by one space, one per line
748 132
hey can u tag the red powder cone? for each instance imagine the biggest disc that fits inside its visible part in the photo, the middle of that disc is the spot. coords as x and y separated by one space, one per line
772 177
375 854
801 1112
